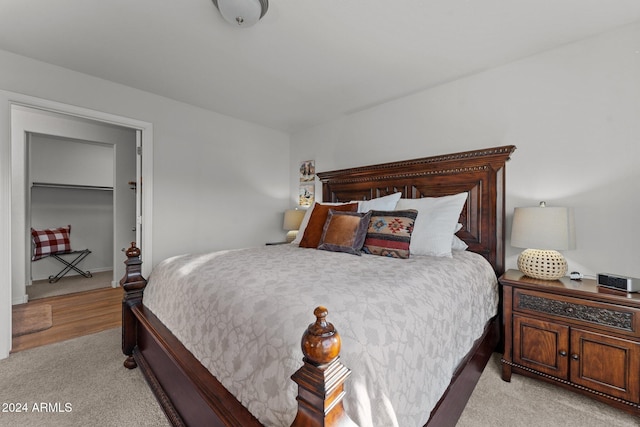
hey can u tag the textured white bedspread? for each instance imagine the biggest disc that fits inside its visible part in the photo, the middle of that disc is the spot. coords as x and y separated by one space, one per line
405 324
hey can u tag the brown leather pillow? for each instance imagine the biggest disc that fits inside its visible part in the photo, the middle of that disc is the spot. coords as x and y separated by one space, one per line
345 232
315 226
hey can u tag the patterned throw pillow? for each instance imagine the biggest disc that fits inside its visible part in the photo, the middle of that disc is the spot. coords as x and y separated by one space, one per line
389 233
50 241
344 232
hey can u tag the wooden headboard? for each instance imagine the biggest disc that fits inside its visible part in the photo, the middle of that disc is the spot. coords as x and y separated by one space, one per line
481 173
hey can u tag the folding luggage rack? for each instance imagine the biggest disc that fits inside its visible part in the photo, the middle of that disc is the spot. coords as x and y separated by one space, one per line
70 265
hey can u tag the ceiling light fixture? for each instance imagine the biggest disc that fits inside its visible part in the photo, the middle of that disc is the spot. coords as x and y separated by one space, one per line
243 13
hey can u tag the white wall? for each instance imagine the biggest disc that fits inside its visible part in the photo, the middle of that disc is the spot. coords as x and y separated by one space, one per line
61 161
574 114
218 182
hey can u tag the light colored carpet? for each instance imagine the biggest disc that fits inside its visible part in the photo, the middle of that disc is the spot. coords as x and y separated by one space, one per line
69 284
527 402
27 319
87 374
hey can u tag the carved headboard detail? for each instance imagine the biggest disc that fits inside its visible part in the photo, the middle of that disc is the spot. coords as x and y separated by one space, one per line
481 173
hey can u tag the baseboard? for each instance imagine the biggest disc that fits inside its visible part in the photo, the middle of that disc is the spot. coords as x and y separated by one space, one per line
71 274
20 300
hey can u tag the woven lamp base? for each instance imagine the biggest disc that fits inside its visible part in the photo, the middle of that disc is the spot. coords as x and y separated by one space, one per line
291 236
542 264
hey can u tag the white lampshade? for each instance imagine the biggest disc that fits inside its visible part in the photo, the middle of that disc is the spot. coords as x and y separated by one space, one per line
543 227
292 221
543 231
243 13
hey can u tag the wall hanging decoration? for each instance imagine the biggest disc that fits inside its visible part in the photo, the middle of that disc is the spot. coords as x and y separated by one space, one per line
307 183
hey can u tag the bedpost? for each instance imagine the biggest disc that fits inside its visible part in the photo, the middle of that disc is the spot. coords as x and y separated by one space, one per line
321 379
133 284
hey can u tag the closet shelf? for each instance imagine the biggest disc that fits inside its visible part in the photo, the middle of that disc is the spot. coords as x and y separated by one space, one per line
71 186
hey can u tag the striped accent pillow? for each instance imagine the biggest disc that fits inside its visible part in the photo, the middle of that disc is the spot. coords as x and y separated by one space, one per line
389 233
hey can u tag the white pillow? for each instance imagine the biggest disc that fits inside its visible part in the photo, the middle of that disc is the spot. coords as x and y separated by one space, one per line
305 221
384 203
436 222
458 244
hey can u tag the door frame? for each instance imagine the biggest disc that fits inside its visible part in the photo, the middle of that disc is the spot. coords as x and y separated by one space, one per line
11 190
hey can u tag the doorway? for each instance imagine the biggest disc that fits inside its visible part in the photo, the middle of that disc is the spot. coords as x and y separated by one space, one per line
66 151
28 121
21 111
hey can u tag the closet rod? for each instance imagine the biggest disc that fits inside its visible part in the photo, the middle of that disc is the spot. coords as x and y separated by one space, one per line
71 186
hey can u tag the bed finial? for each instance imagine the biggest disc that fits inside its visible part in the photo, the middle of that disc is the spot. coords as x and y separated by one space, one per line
321 378
321 342
133 251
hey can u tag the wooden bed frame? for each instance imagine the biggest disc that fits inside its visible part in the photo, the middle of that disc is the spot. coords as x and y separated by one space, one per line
191 396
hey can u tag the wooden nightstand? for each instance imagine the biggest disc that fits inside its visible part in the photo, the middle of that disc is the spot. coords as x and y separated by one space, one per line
573 334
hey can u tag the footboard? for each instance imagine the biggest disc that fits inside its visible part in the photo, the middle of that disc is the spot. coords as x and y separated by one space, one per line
191 396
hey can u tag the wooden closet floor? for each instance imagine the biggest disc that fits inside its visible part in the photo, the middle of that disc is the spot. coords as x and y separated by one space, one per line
74 315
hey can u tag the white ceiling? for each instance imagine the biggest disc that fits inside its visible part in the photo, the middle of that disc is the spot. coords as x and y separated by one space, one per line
305 62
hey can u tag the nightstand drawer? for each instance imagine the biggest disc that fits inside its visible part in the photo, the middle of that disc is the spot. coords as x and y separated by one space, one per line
619 319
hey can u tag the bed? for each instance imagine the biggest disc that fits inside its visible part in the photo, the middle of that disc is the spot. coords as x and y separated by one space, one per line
282 299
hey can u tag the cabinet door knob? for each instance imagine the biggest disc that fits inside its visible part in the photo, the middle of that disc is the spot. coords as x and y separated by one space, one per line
575 356
562 353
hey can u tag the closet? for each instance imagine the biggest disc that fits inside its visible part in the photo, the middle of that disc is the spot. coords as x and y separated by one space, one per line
71 182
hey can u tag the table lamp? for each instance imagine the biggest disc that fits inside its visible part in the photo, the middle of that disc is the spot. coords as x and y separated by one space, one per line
543 231
292 221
